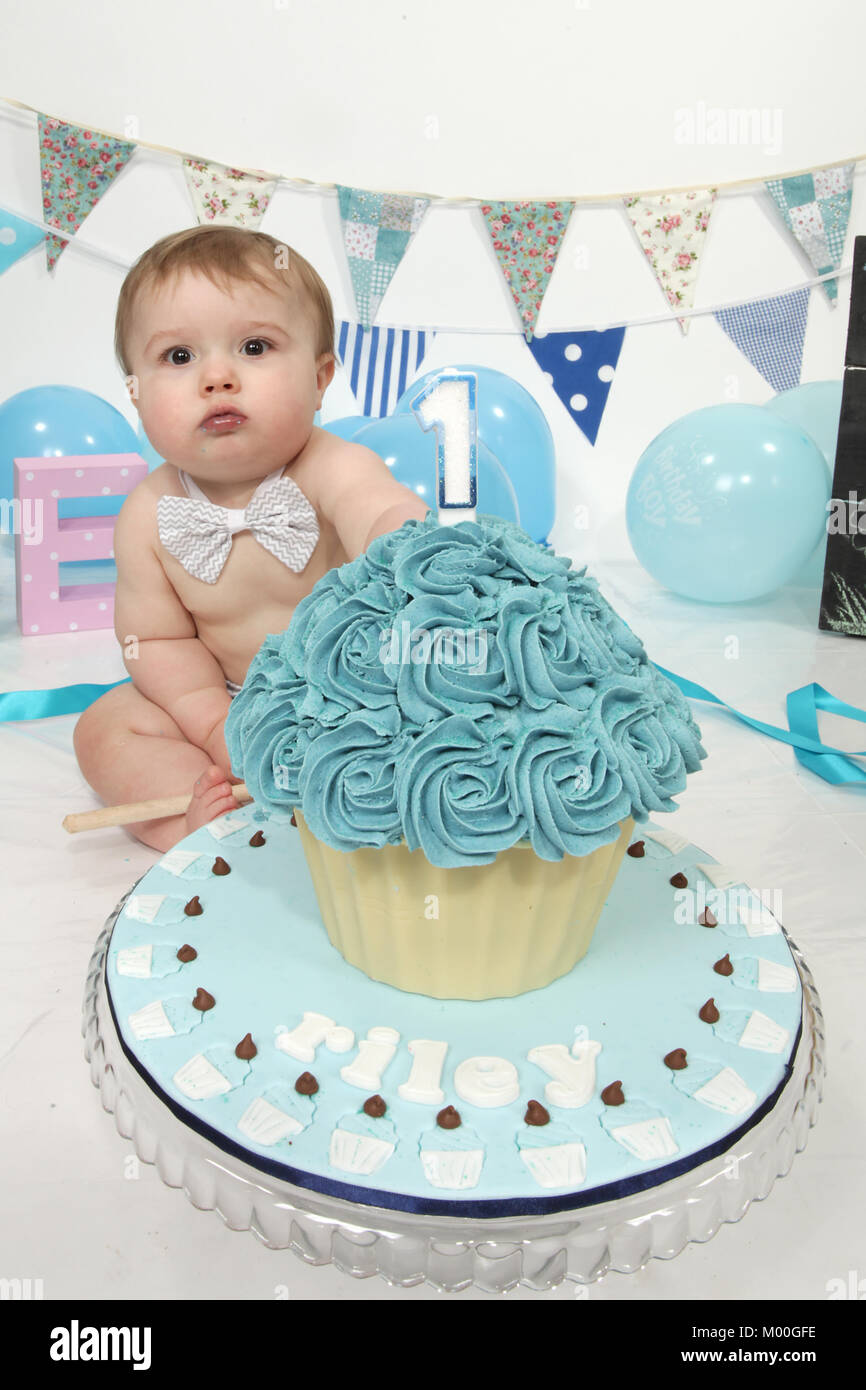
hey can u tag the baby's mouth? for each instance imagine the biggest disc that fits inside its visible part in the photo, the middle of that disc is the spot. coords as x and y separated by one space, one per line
222 421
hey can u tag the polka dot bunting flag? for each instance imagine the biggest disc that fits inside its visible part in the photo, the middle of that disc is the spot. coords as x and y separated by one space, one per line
580 367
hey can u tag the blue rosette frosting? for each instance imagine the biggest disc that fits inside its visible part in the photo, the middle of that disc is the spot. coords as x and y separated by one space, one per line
461 689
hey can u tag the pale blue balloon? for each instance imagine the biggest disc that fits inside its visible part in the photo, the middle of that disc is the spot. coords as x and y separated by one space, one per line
410 453
816 407
347 427
57 421
514 428
727 503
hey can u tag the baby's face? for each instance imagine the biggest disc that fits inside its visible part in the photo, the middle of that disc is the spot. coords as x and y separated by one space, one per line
227 383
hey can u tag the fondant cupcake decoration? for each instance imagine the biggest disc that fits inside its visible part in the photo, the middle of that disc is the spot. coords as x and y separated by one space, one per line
212 1073
278 1114
554 1154
362 1142
640 1128
719 1088
452 1155
164 1018
153 961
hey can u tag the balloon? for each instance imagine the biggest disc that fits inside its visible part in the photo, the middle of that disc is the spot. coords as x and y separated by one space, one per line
54 421
727 503
814 406
514 428
410 453
146 449
347 427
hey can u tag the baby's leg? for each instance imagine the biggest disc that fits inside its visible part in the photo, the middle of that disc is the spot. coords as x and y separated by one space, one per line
130 750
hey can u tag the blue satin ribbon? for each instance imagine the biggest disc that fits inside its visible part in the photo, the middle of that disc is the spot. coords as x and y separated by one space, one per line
832 765
42 704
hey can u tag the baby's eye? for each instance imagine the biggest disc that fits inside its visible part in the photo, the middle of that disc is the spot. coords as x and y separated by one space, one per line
170 355
258 346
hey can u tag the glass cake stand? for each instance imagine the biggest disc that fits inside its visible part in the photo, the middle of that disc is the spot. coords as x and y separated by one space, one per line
452 1253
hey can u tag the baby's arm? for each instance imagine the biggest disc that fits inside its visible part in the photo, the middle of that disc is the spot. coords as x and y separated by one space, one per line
361 498
167 661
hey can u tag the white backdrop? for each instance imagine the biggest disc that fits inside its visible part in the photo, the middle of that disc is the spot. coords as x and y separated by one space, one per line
580 98
564 99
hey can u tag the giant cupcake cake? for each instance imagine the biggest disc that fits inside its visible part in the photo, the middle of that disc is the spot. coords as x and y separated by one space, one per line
420 972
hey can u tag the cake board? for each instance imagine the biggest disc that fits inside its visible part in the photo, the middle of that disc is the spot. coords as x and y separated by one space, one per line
537 1248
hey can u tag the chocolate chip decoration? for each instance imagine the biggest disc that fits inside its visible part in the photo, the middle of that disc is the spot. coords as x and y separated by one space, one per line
536 1114
636 850
193 908
724 966
292 820
246 1049
449 1118
679 881
220 867
708 1012
306 1084
203 1000
375 1107
707 919
186 954
258 840
676 1060
612 1094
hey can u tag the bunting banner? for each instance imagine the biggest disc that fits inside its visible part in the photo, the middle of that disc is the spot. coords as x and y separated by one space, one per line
380 363
16 238
671 229
815 208
77 166
580 367
770 334
526 238
225 195
377 229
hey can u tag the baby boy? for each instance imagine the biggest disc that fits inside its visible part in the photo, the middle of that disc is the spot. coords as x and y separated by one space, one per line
226 337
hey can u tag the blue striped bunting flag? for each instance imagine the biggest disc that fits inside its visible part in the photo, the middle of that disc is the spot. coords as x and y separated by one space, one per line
380 363
770 334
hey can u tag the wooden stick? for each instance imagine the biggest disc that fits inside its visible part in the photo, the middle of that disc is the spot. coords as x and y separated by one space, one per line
139 810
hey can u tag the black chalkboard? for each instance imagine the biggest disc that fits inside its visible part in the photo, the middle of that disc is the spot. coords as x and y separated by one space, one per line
843 598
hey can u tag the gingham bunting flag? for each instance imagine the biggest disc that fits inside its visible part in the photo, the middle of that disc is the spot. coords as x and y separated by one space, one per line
671 229
526 238
229 196
815 208
76 165
770 334
580 367
380 362
377 228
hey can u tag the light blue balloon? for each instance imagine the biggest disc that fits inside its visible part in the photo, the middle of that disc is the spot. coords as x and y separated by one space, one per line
146 449
347 427
727 503
514 428
410 453
816 407
57 421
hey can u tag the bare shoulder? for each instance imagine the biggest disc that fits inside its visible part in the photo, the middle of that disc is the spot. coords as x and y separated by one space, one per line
332 465
137 516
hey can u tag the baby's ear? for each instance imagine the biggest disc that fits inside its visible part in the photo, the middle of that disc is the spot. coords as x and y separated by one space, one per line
326 365
131 384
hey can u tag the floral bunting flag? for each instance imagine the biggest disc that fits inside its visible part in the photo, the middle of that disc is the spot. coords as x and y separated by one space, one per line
77 166
815 208
526 238
377 229
770 334
17 237
671 229
580 367
225 195
380 362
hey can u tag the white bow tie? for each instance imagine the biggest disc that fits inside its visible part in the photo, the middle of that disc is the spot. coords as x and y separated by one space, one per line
199 533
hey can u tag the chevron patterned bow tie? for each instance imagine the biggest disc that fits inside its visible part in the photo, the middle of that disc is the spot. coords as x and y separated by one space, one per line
199 533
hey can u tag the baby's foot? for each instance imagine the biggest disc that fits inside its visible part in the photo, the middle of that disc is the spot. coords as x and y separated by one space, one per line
211 797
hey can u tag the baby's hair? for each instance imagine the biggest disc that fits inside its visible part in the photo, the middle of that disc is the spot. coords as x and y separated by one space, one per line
224 254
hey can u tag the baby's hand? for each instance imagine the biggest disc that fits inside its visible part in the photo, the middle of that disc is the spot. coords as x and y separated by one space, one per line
211 797
217 750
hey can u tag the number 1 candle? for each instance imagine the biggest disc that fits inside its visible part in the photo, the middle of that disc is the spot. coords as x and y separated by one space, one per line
447 404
